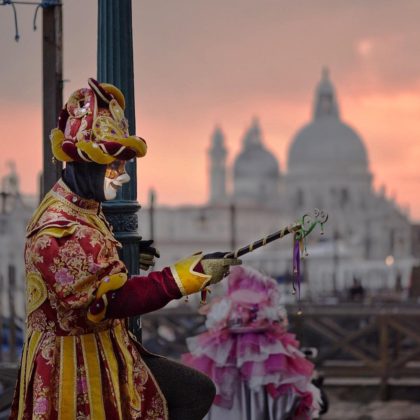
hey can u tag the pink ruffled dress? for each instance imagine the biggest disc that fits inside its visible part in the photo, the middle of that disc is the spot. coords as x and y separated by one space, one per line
257 367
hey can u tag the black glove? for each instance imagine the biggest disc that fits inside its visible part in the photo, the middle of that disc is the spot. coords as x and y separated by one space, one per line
217 266
147 254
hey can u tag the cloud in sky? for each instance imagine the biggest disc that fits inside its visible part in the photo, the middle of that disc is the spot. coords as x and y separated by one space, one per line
198 64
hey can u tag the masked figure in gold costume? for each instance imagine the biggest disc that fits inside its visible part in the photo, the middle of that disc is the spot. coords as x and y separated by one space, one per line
79 361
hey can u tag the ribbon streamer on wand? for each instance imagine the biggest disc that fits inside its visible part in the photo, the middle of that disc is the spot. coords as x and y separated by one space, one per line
296 268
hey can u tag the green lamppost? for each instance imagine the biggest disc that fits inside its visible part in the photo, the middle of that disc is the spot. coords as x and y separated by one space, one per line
115 65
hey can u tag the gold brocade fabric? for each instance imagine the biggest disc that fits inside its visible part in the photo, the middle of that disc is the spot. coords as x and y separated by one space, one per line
73 368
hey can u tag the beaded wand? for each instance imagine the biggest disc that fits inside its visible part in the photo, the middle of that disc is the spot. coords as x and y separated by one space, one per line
300 230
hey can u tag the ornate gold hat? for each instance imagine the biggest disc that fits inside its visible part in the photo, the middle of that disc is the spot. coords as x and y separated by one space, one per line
92 127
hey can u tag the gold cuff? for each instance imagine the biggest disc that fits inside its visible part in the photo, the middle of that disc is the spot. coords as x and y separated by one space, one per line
188 280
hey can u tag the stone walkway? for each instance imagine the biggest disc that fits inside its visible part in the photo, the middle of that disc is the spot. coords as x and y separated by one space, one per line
376 410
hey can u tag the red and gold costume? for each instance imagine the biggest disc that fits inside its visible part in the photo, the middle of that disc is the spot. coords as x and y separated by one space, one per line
78 361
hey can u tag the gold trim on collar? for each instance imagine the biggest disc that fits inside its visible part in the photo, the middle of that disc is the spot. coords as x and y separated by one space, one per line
95 205
71 205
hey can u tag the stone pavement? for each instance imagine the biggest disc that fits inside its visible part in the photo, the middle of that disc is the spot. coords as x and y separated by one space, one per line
375 410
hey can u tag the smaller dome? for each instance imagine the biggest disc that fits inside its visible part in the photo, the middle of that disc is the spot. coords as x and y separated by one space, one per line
255 160
256 170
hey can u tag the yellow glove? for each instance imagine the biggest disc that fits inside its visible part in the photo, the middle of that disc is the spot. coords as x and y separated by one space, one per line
217 266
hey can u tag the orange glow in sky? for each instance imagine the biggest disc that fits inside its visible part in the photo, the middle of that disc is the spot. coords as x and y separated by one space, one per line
198 64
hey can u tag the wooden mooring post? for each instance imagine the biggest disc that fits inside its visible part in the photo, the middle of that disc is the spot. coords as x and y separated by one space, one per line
384 357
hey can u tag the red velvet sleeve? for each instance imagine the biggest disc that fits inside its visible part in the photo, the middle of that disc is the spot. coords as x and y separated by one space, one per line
143 294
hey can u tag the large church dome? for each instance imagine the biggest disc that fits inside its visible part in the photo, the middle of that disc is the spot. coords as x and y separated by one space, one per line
256 170
326 144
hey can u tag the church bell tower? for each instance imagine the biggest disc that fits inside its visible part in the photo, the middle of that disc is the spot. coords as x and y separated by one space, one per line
217 168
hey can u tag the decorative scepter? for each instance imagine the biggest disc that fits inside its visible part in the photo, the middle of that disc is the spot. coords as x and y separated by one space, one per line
301 229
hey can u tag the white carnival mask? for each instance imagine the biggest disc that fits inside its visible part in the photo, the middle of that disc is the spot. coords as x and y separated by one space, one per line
115 177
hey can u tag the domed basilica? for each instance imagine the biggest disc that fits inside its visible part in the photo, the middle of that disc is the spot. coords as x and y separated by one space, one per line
367 236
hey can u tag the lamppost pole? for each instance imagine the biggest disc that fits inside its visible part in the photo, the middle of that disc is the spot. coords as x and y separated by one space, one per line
115 66
52 86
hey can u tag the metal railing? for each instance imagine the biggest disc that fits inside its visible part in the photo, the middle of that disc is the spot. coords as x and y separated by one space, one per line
355 342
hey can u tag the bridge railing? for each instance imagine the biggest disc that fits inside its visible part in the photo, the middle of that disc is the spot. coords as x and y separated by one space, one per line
354 341
380 343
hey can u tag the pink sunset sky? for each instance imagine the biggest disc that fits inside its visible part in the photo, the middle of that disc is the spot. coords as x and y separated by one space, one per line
198 64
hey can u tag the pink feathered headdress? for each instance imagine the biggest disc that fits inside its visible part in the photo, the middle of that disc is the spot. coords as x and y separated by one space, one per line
248 286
